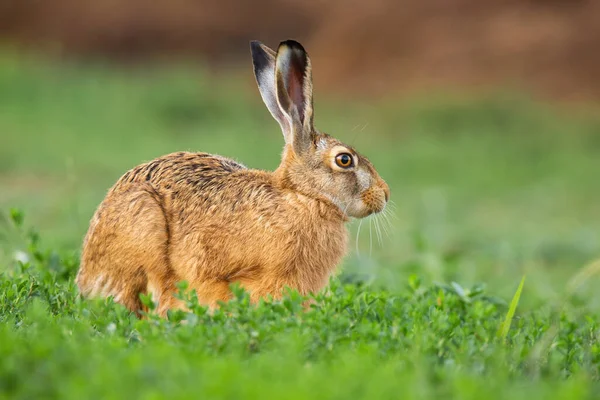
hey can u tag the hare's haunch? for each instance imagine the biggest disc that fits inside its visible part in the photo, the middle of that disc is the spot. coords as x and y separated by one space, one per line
211 221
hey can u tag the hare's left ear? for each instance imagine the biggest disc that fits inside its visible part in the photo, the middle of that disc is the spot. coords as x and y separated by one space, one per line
263 61
293 75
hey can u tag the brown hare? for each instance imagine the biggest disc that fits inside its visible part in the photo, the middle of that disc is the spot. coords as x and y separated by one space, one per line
211 221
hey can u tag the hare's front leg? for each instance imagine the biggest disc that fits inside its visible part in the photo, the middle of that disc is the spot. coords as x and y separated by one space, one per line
269 286
211 291
276 286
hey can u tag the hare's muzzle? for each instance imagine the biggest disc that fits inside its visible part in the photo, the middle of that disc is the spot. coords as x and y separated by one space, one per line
375 198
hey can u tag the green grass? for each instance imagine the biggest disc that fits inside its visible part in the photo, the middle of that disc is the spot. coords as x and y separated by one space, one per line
486 192
356 342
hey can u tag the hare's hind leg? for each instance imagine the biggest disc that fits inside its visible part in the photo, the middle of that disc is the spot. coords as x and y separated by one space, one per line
126 250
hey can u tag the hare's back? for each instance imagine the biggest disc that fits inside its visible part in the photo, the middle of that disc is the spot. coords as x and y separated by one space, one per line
181 169
202 185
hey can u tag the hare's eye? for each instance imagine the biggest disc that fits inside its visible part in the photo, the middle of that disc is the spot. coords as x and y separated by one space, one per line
343 160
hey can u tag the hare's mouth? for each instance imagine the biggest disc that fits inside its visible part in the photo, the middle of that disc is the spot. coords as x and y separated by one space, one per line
374 200
361 209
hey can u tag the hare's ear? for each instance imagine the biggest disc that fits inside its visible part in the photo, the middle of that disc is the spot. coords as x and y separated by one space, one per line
263 60
293 75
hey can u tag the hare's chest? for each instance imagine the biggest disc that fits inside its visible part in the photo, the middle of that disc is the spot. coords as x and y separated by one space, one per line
319 247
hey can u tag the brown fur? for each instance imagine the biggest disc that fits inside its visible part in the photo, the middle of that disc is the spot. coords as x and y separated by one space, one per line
210 221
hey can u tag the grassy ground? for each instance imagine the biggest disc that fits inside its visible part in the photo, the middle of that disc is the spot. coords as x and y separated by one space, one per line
486 192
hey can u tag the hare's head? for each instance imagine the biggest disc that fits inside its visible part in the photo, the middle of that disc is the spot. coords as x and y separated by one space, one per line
313 163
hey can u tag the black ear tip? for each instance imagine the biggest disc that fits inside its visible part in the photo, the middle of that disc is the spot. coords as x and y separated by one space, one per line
292 44
255 45
261 59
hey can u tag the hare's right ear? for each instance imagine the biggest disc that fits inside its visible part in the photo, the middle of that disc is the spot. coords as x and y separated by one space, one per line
263 59
293 76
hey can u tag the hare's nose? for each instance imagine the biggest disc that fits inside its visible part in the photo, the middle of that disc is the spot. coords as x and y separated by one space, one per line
386 191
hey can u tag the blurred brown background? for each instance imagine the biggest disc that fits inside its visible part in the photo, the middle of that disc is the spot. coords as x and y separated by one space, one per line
551 47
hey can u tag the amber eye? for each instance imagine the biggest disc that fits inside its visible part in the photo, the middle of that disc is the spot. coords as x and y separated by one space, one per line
343 160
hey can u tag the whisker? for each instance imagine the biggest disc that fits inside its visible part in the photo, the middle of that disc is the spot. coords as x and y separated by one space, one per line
370 238
346 208
387 215
384 225
357 235
358 132
391 208
376 232
378 229
386 221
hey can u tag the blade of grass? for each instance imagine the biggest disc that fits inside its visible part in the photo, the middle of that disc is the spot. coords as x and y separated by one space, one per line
588 271
505 326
